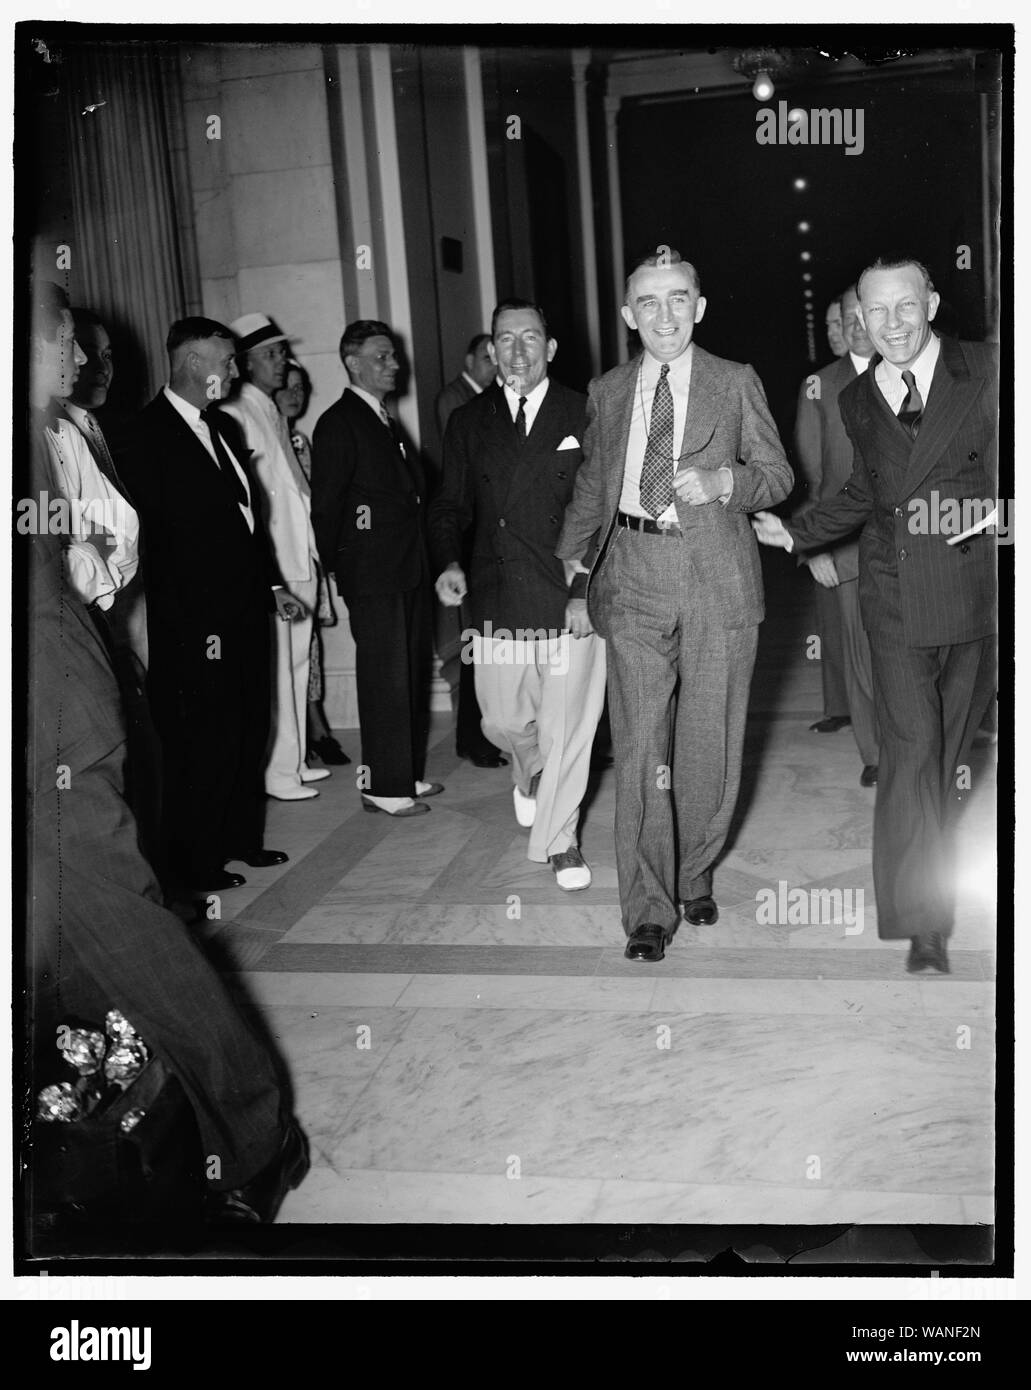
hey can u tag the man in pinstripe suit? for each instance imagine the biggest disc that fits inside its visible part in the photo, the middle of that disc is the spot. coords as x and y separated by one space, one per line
923 421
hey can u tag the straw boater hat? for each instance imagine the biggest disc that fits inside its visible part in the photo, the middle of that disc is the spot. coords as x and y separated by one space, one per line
254 330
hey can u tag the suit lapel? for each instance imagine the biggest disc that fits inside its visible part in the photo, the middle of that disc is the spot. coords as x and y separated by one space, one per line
621 408
952 395
704 406
541 443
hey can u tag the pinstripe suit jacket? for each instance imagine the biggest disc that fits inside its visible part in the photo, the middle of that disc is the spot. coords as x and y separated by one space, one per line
728 423
823 451
913 585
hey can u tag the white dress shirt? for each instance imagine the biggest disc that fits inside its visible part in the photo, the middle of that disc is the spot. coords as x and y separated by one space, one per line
199 425
533 402
679 380
94 505
889 377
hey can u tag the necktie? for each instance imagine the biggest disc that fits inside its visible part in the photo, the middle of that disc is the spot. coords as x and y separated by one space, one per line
391 425
657 469
520 419
225 463
912 407
100 451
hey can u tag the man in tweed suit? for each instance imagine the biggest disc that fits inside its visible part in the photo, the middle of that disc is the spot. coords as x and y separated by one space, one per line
923 423
680 447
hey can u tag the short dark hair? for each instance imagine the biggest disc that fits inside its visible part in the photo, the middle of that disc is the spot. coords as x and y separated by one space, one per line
475 342
896 261
195 330
514 303
359 332
49 303
87 318
294 366
664 255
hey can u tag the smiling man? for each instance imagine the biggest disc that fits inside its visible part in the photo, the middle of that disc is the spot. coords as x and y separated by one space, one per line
923 421
680 447
510 463
368 495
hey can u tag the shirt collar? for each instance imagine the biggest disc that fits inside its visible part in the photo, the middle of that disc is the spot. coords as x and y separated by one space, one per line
474 384
679 368
189 412
259 398
860 363
533 399
370 400
923 366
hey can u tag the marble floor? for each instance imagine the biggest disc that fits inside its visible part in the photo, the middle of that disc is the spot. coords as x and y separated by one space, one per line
468 1044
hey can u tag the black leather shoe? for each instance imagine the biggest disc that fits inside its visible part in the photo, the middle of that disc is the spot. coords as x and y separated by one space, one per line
647 942
489 759
928 953
261 1198
868 776
261 858
701 912
329 751
218 879
831 724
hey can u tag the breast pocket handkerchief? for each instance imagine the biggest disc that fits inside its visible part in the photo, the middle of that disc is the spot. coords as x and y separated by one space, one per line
570 442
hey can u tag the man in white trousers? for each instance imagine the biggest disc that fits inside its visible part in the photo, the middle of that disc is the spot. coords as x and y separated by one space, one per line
262 359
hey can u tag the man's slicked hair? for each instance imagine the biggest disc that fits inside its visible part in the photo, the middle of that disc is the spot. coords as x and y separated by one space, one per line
475 342
514 303
897 262
359 332
664 256
195 330
49 302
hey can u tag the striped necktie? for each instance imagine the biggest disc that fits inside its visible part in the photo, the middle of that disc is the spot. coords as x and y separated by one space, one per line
657 468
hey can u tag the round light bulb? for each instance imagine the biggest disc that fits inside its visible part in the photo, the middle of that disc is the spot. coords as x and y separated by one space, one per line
803 226
799 184
795 114
762 88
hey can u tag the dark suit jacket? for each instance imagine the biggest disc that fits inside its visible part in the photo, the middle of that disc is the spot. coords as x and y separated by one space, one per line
454 394
913 585
205 569
824 451
728 422
366 503
514 494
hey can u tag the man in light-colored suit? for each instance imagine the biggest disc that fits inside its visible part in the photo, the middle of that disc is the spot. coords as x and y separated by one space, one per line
263 357
923 420
680 447
824 454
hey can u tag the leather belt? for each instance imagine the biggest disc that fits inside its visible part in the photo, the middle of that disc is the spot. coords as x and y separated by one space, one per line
646 524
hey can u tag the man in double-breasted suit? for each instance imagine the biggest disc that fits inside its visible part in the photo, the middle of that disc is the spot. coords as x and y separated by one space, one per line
680 447
824 454
923 422
367 502
510 462
211 585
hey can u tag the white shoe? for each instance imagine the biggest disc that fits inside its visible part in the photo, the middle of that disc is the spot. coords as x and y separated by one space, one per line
315 774
526 806
394 805
297 793
571 872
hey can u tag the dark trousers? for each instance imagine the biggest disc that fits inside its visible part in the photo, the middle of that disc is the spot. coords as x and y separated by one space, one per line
929 701
210 698
393 639
678 687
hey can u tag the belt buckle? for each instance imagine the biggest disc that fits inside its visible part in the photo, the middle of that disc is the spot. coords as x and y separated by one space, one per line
665 525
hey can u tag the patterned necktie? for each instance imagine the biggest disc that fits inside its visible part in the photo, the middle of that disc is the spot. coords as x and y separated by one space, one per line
391 425
225 463
912 407
657 469
100 451
520 420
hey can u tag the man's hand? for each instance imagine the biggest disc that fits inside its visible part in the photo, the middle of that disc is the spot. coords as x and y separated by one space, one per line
577 618
287 607
450 586
823 570
696 486
571 568
770 530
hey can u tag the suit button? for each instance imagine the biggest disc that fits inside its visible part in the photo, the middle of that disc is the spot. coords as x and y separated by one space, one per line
965 548
898 511
502 521
972 456
553 520
560 475
903 554
873 474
